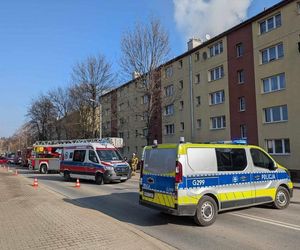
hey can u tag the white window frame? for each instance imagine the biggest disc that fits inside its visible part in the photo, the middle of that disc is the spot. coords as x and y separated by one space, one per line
273 20
242 104
181 84
169 90
169 71
278 84
198 100
145 132
181 105
169 129
169 110
144 99
267 50
197 56
218 122
216 49
181 126
243 130
180 64
199 123
272 109
239 49
270 144
241 76
217 97
197 78
216 73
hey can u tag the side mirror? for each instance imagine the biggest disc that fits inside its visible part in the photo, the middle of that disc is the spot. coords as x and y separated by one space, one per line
272 166
125 158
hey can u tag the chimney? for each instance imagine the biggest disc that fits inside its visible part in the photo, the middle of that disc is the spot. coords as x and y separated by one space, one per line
193 42
135 75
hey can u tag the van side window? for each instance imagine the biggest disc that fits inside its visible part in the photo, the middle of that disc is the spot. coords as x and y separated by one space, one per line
260 159
231 159
79 155
71 155
92 156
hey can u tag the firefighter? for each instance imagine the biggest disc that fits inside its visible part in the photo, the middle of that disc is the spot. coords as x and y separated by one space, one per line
134 163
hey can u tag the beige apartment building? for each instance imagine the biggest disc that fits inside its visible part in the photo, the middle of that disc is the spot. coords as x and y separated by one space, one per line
242 83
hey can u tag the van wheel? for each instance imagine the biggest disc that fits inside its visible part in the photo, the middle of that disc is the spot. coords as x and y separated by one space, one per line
44 169
206 211
67 176
99 179
282 198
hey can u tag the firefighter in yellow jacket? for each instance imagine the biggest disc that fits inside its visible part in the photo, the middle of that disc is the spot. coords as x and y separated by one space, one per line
134 163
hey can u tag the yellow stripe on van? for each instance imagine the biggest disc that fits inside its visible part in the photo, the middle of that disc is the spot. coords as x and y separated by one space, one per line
162 199
271 192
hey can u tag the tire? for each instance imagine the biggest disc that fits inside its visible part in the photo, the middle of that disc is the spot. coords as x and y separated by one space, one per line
67 176
99 179
206 212
282 198
43 169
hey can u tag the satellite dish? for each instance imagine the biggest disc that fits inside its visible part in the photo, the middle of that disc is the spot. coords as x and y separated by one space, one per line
207 36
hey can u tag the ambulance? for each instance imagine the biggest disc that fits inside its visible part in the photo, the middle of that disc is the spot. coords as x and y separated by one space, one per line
200 180
99 161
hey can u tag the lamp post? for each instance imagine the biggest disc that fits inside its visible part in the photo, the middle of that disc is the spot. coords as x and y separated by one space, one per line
100 117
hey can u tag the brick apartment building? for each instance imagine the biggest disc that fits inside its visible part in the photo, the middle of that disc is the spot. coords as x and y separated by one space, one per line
243 83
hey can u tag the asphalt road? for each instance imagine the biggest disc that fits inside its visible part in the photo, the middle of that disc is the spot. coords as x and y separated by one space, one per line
259 227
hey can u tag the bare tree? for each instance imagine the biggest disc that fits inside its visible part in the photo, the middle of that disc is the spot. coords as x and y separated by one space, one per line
144 50
42 115
93 77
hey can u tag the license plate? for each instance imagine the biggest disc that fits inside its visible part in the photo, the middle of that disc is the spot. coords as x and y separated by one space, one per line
149 194
123 178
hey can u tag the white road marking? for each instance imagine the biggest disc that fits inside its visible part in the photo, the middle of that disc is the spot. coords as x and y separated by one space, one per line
269 221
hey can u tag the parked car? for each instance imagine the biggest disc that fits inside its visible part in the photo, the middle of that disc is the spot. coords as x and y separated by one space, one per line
3 160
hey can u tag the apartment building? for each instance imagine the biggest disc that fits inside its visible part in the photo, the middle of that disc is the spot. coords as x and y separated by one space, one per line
242 83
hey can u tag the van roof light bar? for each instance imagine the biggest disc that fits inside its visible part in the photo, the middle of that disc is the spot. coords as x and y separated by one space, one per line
234 141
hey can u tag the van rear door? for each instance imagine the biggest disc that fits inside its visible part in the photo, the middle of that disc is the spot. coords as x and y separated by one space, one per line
158 176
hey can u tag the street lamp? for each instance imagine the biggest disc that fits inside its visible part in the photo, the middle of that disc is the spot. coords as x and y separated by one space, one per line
100 117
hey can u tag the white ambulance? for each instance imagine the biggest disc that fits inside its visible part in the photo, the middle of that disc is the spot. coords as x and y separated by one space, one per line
200 180
99 161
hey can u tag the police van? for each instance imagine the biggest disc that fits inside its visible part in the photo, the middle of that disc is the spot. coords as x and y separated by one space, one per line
98 161
201 180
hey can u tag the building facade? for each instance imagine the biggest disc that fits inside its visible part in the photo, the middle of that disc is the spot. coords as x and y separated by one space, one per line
242 83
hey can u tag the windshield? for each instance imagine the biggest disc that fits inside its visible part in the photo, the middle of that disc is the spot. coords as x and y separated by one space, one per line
109 155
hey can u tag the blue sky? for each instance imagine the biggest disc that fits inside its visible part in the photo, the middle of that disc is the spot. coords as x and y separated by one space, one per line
40 41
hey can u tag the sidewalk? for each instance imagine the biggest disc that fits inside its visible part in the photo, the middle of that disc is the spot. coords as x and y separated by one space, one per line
36 218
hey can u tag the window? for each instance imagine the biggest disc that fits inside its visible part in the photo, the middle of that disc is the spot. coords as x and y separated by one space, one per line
144 116
198 100
145 132
260 159
239 50
79 155
168 72
241 76
121 134
272 53
169 90
278 146
197 56
120 106
218 122
181 105
243 130
144 99
181 126
136 133
217 97
274 83
242 104
231 159
197 78
92 156
169 129
270 23
276 114
216 49
180 64
181 84
216 73
169 109
199 123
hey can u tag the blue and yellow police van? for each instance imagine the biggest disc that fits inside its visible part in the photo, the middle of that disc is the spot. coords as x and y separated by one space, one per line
200 180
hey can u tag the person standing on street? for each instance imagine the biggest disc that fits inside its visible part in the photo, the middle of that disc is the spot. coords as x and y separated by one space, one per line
134 163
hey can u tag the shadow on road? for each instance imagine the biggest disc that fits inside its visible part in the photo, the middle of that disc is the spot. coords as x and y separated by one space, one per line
125 207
